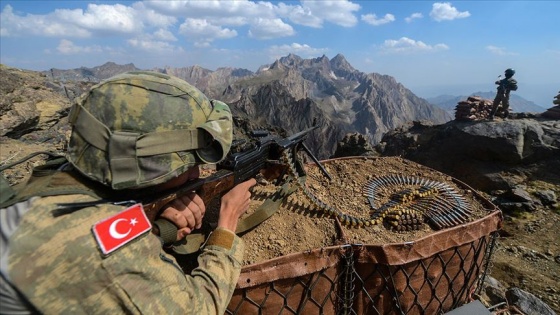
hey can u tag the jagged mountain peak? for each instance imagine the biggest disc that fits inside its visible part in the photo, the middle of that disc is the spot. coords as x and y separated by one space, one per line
235 72
293 90
296 62
290 60
94 74
281 64
340 63
322 59
111 64
338 67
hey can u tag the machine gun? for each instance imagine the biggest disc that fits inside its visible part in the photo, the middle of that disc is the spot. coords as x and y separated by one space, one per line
264 152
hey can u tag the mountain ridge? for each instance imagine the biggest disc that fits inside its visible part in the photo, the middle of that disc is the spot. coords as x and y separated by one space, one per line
288 92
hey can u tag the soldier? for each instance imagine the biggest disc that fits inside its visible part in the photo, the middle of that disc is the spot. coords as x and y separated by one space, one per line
67 250
502 95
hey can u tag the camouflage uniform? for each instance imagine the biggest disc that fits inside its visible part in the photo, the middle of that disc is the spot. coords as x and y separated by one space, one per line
134 130
56 264
505 86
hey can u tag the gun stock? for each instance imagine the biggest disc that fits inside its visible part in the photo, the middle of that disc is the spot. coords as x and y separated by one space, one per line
207 188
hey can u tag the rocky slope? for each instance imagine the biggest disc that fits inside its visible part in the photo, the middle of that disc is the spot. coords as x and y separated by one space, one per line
489 155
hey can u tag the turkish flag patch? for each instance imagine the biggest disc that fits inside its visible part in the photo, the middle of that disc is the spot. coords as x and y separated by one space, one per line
120 229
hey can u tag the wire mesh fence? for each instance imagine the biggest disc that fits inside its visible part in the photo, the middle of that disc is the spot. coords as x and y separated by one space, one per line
430 276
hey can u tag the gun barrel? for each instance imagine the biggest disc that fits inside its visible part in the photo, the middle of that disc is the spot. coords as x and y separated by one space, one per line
321 167
302 134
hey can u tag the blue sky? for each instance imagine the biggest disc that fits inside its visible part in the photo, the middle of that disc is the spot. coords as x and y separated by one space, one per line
433 48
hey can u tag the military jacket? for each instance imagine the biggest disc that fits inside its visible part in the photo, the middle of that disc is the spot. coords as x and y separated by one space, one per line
57 264
507 84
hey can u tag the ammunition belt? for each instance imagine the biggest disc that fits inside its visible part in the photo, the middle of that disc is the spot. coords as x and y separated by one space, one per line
422 200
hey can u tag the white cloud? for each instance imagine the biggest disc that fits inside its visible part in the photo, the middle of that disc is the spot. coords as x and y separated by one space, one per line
500 51
67 47
245 12
204 21
302 50
268 29
407 45
413 16
213 9
339 12
165 35
151 17
203 32
37 25
373 20
152 46
443 11
299 15
102 19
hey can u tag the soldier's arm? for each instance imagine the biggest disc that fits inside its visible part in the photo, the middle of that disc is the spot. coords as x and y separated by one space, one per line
155 284
217 273
210 286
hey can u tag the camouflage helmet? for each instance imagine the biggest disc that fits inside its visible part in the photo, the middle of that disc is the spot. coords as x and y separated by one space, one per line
140 129
509 72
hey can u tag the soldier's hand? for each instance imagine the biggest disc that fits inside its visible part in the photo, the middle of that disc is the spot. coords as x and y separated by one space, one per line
186 212
234 203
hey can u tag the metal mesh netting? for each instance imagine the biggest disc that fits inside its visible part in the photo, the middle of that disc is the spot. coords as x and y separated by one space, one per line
437 283
430 276
316 294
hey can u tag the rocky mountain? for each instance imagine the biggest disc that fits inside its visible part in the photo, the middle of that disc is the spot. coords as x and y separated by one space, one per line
31 101
210 82
94 74
516 102
292 92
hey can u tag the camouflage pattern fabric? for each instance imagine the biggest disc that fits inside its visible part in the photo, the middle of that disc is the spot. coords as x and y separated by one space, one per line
56 264
140 129
505 86
11 301
508 84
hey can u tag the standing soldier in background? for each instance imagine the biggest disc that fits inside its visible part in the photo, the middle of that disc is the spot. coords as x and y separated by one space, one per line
81 243
502 95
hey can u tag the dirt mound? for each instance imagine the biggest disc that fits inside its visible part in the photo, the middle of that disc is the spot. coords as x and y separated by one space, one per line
300 226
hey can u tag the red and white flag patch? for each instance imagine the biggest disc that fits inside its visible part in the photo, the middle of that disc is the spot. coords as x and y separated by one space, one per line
120 229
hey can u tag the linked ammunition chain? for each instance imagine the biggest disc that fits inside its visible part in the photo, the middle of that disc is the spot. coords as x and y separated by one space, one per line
345 219
438 203
419 200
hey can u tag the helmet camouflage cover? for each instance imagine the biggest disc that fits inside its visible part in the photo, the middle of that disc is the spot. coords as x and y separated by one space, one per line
140 129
